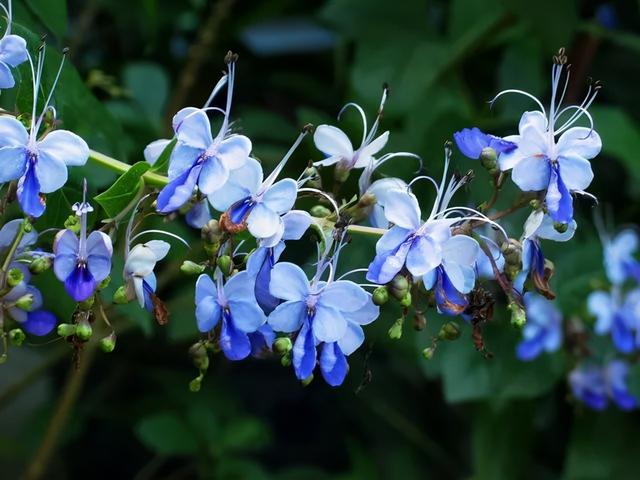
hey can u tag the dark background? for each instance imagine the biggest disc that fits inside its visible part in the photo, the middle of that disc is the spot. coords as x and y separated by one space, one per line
130 414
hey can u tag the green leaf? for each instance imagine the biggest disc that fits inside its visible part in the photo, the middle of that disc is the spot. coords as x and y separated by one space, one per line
166 434
52 13
148 84
123 191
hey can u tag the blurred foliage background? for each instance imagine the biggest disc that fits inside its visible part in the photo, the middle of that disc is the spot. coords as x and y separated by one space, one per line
130 414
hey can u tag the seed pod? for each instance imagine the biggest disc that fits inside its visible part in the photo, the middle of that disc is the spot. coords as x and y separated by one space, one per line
17 336
282 345
449 331
191 268
39 265
66 329
395 332
14 277
380 296
108 343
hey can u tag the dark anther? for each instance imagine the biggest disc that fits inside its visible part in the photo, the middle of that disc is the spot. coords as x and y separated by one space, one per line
308 128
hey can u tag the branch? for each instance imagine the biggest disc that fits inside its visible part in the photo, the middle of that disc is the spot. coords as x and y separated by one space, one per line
150 178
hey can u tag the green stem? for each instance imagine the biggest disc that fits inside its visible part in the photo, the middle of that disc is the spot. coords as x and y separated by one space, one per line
12 249
377 232
150 178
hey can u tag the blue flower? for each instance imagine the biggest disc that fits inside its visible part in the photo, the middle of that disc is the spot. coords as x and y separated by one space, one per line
328 313
8 233
234 307
471 142
138 270
540 162
39 165
199 159
595 385
13 52
543 330
380 189
619 315
262 261
198 215
539 226
619 260
262 341
82 263
260 204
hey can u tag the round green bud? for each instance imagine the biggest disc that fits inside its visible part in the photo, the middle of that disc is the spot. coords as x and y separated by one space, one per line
14 277
406 300
380 296
560 227
72 223
26 226
25 302
211 232
191 268
399 287
535 204
489 159
307 381
39 265
449 331
518 315
285 360
195 384
199 356
419 321
225 264
120 296
428 352
108 343
17 336
84 330
395 332
319 211
66 329
104 283
282 345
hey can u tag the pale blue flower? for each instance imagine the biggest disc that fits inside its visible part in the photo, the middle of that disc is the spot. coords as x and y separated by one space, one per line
617 314
619 260
595 385
543 330
471 142
138 270
13 51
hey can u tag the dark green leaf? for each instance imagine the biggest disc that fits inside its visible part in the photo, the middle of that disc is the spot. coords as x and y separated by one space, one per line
166 434
52 13
124 190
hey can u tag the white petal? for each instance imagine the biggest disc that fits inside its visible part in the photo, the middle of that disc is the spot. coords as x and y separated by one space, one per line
281 196
66 147
461 249
234 151
575 171
153 151
531 174
12 132
296 222
328 324
160 248
263 222
333 142
402 209
580 141
289 282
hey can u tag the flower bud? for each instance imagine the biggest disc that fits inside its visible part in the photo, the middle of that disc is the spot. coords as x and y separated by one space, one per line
225 264
191 268
282 345
199 356
489 159
120 296
84 330
195 384
285 360
406 300
518 315
399 287
367 200
14 277
17 336
108 343
512 251
72 223
26 226
211 232
39 265
449 331
307 381
66 329
104 283
25 302
319 211
419 320
560 227
314 180
341 174
395 332
535 204
87 304
380 296
428 352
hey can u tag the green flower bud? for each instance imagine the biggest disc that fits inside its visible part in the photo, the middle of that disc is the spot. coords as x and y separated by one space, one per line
66 329
399 287
211 232
341 174
120 296
84 330
195 384
14 277
285 360
319 211
489 159
313 176
449 331
406 300
560 227
535 204
39 265
512 251
87 304
108 343
282 345
25 302
367 200
17 336
395 332
419 321
225 264
104 283
380 296
428 352
26 226
191 268
72 223
518 315
199 356
307 381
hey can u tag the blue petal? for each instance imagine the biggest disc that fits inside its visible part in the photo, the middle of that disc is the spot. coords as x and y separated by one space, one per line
208 313
288 316
266 301
304 352
558 199
63 147
99 250
471 141
6 77
80 285
449 300
529 349
14 163
238 211
198 216
39 323
622 335
178 191
289 282
247 316
343 295
13 50
29 193
296 222
213 176
234 343
194 130
333 364
281 196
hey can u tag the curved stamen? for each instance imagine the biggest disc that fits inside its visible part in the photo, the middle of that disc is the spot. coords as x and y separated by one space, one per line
129 230
161 232
423 177
364 118
322 194
53 87
221 83
480 216
574 118
374 127
351 272
276 171
520 92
